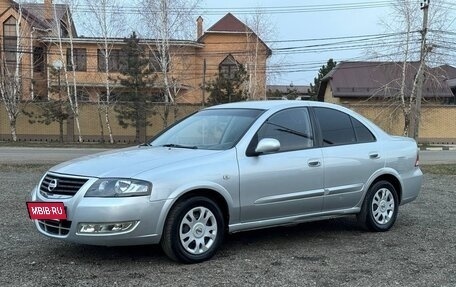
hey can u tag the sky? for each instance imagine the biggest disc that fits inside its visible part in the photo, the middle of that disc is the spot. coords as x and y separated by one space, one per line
297 22
304 34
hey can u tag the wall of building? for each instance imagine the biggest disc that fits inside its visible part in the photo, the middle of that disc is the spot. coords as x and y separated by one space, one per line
437 125
90 125
24 40
242 48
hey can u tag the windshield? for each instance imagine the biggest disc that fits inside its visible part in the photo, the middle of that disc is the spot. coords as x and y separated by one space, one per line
215 129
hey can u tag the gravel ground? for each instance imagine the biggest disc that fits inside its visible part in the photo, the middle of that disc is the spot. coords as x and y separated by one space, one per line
420 250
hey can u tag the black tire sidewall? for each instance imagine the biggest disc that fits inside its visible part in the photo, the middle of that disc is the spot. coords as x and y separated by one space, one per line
371 222
190 203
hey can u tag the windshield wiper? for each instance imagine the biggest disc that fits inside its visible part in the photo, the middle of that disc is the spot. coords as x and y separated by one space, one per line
180 146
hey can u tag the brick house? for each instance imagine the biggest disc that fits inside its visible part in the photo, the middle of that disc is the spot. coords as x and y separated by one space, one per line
371 88
47 36
377 82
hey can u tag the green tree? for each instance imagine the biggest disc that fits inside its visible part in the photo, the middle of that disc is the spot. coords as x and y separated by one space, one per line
325 69
227 88
52 110
134 104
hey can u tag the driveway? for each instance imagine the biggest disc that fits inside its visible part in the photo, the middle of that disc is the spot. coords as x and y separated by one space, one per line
418 251
37 155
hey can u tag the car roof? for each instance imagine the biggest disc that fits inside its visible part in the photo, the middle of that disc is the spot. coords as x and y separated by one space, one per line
273 105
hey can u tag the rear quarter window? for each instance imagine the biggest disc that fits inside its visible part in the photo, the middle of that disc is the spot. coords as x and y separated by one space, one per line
339 128
363 134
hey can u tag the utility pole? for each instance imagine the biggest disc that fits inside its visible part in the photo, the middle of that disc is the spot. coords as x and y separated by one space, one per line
416 115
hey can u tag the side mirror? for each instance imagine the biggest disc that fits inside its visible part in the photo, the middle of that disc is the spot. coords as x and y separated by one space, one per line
267 145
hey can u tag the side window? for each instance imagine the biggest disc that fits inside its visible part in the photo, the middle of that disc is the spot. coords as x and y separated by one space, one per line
363 134
290 127
336 127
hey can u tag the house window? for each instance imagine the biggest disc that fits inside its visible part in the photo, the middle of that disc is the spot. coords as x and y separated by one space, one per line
38 59
10 40
64 30
116 60
82 95
228 67
103 97
154 62
79 59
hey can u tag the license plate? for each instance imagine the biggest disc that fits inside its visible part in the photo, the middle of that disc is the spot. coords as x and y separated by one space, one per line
46 210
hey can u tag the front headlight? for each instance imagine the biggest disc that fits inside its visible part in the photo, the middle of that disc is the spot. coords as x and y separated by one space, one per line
116 187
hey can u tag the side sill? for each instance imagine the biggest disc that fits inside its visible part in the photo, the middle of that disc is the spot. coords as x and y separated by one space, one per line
238 227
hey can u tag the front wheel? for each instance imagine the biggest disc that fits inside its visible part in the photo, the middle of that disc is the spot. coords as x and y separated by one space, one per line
380 207
193 230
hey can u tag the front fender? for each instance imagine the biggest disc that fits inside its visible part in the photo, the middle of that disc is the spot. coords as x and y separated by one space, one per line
184 189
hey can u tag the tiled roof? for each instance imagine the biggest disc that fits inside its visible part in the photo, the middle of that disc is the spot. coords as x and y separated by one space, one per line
382 79
37 11
229 23
446 70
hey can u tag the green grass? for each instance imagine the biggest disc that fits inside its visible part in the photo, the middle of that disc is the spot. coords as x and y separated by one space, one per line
442 169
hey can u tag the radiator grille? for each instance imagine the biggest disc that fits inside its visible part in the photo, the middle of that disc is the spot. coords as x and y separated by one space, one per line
55 227
61 185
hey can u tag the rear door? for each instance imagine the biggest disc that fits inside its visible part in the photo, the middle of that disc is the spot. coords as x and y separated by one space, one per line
285 183
351 155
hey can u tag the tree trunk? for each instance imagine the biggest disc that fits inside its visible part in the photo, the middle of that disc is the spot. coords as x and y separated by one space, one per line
100 121
61 131
108 124
13 130
166 114
406 131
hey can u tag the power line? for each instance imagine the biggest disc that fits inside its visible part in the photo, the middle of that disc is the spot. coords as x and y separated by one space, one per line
296 9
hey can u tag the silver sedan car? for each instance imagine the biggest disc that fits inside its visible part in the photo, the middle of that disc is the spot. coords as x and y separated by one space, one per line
231 168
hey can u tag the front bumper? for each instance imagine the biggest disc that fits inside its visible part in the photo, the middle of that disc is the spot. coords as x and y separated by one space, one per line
82 209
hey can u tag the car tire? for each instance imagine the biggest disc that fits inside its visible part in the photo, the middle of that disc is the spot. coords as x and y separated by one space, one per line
380 207
193 231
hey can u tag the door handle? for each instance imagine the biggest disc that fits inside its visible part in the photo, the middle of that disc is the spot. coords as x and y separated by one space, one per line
314 163
374 155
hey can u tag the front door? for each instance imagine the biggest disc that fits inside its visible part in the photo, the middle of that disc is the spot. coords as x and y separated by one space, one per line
285 183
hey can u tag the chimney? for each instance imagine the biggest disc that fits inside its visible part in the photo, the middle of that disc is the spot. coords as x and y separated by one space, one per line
199 27
48 10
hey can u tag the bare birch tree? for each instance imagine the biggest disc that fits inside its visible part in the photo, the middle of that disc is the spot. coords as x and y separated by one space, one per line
69 75
167 20
259 29
404 51
106 23
11 78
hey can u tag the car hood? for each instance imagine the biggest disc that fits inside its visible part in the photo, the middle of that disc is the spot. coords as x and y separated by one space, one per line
126 163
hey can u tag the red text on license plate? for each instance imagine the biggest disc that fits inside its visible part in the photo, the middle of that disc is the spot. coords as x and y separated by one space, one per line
46 210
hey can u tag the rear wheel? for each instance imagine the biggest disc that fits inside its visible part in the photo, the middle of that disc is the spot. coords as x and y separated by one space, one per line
380 207
193 230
